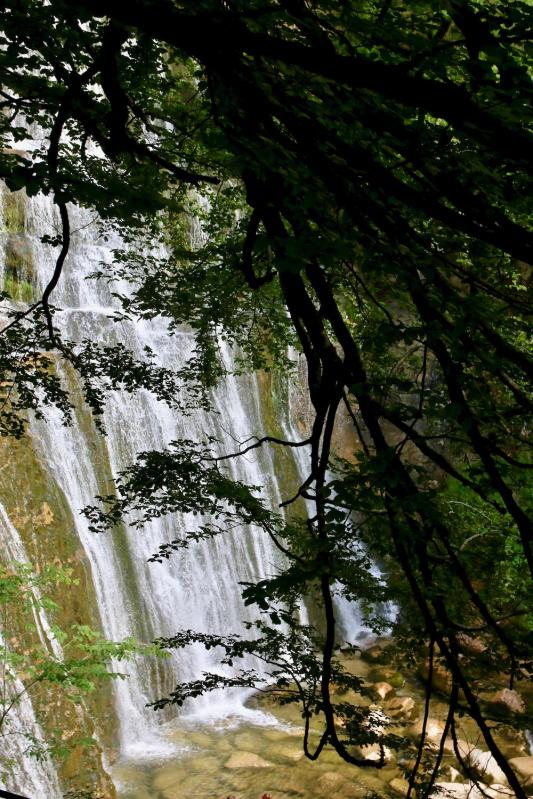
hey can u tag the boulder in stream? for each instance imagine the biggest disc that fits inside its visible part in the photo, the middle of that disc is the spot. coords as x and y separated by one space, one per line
374 654
399 786
373 752
524 768
441 679
506 702
485 766
382 690
456 790
401 707
434 730
247 760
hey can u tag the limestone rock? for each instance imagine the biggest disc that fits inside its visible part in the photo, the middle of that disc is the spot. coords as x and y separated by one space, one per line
382 690
506 701
496 791
456 790
399 786
374 654
434 730
246 760
485 766
401 707
45 517
329 781
524 768
373 752
471 646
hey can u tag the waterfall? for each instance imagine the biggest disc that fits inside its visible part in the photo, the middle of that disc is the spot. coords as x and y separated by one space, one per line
351 626
197 589
23 773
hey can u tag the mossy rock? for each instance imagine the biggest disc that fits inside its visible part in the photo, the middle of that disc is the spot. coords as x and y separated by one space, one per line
38 509
20 291
18 268
387 674
375 654
441 679
14 203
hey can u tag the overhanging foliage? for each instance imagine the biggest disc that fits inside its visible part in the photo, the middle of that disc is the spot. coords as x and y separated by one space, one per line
363 175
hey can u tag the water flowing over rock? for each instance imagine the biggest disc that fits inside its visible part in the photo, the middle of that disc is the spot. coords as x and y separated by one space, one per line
197 589
25 774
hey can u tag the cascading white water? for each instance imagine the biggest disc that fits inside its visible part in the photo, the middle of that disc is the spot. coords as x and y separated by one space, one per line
351 625
30 776
197 589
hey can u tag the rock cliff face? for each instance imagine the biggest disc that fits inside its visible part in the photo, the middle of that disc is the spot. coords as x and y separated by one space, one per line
41 518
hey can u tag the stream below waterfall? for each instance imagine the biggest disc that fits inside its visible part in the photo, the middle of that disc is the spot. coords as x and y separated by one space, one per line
246 760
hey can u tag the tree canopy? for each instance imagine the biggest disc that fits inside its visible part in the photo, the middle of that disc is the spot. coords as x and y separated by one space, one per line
359 171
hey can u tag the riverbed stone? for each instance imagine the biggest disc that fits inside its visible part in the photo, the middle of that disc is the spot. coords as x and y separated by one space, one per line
277 734
201 739
246 760
400 707
374 654
454 774
471 646
523 766
373 752
506 701
373 782
143 793
485 766
284 781
386 674
285 752
383 690
434 730
328 782
456 790
223 745
178 791
441 678
399 786
496 791
245 741
167 778
463 747
204 764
